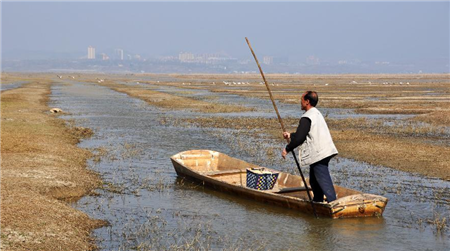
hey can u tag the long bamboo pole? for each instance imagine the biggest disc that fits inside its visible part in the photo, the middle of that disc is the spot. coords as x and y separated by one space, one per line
282 126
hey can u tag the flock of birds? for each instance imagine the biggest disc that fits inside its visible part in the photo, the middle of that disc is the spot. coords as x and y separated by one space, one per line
384 83
393 83
245 83
60 77
233 83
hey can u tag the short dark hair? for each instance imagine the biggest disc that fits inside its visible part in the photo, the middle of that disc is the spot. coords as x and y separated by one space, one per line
312 97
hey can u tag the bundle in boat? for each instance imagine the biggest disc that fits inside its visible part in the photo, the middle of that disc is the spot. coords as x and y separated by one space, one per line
227 174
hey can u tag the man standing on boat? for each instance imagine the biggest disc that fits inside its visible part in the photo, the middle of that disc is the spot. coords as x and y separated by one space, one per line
316 147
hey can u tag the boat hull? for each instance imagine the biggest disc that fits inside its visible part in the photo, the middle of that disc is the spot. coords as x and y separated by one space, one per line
197 164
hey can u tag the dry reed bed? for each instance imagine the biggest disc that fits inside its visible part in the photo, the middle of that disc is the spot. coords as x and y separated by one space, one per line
42 168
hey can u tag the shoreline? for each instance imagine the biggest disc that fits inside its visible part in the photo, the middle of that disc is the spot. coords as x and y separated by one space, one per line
42 170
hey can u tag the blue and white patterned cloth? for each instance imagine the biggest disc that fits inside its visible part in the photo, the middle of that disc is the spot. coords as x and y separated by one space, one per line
260 179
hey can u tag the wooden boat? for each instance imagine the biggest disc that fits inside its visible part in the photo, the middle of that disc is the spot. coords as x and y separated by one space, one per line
228 174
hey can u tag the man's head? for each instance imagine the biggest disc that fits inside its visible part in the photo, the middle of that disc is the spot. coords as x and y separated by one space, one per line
309 99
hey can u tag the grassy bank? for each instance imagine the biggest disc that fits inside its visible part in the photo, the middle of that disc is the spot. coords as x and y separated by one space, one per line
42 169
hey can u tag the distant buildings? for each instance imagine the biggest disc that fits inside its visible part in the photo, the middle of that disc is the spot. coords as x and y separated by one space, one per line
313 60
105 57
186 57
268 60
91 52
205 58
119 53
168 58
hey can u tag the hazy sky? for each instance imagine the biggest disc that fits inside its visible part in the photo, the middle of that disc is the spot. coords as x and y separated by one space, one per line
384 31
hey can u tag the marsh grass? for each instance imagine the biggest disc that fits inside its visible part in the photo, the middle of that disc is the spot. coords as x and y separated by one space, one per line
156 182
440 222
99 153
131 151
114 187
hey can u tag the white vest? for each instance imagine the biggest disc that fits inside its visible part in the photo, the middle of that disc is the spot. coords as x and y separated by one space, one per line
318 144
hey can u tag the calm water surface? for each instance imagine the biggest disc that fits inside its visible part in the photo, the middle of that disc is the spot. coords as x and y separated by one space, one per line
9 86
148 207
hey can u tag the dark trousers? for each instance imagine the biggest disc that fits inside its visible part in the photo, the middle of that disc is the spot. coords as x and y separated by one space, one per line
320 180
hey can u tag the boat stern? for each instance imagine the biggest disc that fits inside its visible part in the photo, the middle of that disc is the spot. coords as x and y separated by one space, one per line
359 205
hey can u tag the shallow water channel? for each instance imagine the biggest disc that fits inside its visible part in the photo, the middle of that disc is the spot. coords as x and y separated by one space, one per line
10 86
149 208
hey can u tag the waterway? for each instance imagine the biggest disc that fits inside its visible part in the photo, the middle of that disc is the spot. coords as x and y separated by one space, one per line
149 208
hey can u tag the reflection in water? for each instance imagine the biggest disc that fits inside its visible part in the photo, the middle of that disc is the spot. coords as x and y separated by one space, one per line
148 205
